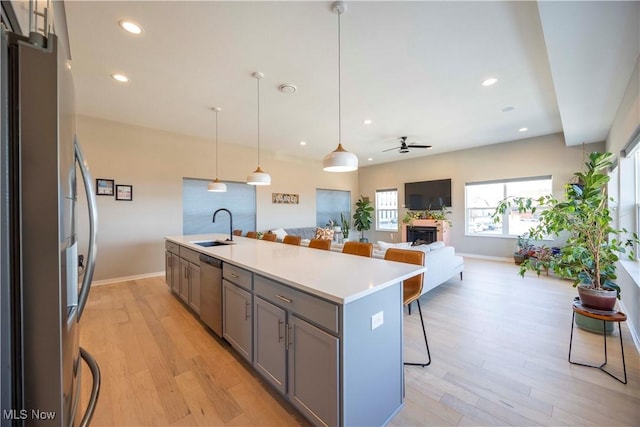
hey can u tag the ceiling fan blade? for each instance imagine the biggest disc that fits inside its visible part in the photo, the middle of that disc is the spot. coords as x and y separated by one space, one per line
389 149
418 146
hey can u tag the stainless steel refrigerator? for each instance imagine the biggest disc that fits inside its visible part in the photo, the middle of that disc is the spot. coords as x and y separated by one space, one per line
44 288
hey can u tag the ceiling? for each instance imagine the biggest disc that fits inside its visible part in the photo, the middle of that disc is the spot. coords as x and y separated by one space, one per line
413 68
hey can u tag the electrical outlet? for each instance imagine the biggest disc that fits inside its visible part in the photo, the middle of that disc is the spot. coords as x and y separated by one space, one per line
377 320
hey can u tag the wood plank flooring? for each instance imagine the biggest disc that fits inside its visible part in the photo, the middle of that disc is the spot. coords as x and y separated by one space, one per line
499 346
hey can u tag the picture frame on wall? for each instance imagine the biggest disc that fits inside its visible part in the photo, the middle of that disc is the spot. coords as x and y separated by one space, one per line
124 192
104 187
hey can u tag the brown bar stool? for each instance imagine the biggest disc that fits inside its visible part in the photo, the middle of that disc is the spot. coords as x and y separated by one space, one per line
358 248
237 232
615 316
269 237
292 240
411 287
320 244
252 234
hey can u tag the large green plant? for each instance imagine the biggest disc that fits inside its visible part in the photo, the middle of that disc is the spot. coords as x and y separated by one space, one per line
362 218
590 252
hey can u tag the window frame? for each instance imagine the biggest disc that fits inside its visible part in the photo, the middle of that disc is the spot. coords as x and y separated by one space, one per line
378 210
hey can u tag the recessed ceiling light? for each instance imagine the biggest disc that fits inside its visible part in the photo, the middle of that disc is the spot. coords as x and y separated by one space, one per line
508 108
287 88
120 77
370 159
490 82
523 129
303 143
367 121
130 27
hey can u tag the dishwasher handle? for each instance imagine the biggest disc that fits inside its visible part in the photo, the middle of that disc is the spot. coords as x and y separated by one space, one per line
211 261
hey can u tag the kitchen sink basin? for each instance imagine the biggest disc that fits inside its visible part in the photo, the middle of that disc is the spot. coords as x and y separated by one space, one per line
210 243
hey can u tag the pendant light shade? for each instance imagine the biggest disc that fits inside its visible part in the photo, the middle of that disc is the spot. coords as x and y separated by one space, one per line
339 160
258 176
216 185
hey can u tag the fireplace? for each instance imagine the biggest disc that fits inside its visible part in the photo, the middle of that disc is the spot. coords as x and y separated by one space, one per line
428 234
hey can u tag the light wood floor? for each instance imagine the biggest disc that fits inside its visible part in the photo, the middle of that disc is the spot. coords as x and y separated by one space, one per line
499 345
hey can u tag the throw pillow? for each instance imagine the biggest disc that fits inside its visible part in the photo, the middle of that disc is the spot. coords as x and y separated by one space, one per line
436 245
384 245
324 234
280 233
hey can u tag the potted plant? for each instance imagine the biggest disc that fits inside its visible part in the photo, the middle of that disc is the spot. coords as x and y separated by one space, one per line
438 215
523 245
346 225
589 255
362 217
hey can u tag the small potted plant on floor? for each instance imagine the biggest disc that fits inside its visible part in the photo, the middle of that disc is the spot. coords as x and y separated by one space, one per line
523 246
362 218
589 255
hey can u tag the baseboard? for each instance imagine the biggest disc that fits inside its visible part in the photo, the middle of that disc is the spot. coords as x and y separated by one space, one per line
632 330
125 279
487 257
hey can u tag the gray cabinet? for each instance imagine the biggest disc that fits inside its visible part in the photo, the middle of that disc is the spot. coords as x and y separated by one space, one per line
194 287
172 266
299 359
236 322
184 280
313 371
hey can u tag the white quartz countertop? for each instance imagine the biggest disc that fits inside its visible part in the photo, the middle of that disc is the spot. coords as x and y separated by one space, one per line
337 277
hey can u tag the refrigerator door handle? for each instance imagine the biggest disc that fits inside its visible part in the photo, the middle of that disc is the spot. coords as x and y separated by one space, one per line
93 223
95 387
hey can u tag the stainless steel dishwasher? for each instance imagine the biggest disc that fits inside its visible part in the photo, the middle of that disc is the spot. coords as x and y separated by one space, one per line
211 293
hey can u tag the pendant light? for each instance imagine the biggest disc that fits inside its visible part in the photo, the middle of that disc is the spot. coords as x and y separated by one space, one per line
339 160
258 176
216 185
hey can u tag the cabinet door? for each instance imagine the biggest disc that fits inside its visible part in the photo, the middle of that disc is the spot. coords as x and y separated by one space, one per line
194 287
184 280
168 276
313 371
270 353
236 325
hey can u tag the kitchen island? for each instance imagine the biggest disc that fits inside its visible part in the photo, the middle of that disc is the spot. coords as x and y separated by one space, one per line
323 328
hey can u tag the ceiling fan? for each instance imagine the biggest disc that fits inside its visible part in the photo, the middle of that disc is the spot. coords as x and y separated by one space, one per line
405 148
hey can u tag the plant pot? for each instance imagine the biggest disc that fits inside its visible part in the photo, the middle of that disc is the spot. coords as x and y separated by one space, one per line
599 299
364 240
593 325
518 258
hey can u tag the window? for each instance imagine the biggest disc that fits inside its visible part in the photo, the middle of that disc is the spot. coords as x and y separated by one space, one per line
330 204
637 184
481 199
198 206
387 210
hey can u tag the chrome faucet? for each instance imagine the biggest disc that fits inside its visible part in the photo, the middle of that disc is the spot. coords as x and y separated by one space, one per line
230 239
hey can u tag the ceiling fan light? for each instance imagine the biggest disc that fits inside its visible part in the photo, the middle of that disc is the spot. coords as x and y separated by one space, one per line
340 160
216 186
259 177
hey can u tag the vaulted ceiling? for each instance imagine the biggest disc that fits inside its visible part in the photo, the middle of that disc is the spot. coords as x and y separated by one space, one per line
413 68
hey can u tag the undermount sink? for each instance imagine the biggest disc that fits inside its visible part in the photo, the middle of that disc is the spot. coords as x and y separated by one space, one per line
210 243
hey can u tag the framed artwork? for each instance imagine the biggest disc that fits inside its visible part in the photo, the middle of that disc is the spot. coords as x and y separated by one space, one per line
285 198
124 192
104 187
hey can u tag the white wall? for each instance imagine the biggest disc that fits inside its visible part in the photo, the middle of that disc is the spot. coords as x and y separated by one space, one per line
528 157
624 126
130 240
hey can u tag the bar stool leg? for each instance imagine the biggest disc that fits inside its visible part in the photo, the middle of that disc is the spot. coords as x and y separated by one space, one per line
424 332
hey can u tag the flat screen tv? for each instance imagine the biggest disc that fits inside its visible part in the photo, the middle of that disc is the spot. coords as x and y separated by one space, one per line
427 194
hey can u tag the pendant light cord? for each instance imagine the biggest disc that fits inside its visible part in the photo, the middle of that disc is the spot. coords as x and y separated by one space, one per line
258 79
217 144
339 86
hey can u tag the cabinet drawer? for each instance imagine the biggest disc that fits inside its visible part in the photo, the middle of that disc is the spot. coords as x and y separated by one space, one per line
237 275
190 255
174 248
323 313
